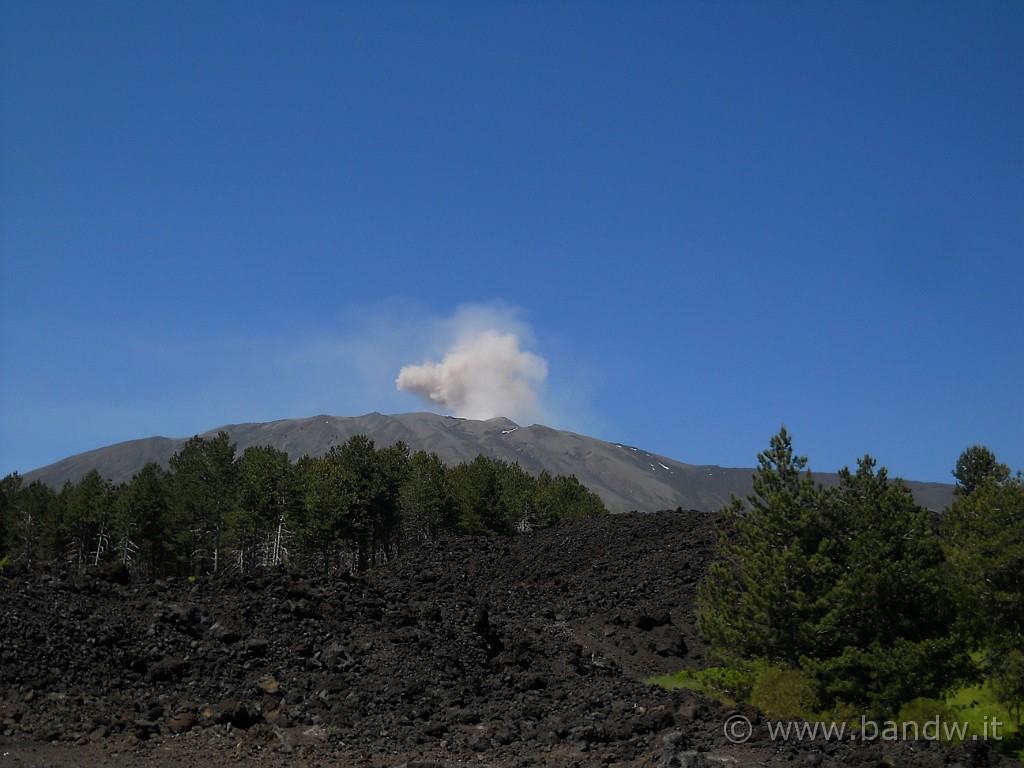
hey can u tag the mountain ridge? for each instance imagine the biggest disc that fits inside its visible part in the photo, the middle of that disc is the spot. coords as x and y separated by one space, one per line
627 478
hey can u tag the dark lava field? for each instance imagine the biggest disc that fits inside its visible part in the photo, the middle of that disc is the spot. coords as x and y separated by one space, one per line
526 651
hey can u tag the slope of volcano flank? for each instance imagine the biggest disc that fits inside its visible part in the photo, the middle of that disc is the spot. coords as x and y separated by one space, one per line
626 478
503 652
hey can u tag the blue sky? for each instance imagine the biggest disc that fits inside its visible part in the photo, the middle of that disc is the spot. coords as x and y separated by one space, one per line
704 219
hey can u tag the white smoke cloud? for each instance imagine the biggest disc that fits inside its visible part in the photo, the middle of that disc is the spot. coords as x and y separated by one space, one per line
484 371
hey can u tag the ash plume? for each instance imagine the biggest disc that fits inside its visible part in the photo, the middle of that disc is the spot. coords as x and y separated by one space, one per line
484 373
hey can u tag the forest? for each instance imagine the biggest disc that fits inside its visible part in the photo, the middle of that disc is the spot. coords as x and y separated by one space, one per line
831 602
213 509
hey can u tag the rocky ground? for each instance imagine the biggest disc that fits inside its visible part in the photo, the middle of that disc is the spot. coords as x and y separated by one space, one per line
528 651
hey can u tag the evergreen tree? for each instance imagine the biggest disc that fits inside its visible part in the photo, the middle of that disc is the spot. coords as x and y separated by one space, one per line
326 510
35 510
985 539
149 540
427 501
767 588
482 494
978 466
352 496
204 477
392 469
987 544
372 480
887 637
86 520
564 498
518 497
848 584
1007 674
268 501
348 509
10 487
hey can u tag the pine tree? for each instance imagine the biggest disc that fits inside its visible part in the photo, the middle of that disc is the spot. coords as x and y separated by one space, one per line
204 477
887 637
564 498
976 467
765 589
476 489
267 504
87 520
428 504
985 540
848 584
372 479
325 512
9 489
392 469
146 525
35 524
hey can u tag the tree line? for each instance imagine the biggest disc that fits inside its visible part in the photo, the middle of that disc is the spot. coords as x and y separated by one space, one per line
861 601
212 509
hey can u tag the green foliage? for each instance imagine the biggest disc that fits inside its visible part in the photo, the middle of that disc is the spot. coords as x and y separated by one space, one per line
984 530
498 497
427 499
849 585
778 691
491 494
985 534
267 504
9 488
35 524
86 512
1008 683
879 678
388 468
726 684
212 510
204 477
888 632
976 467
564 498
784 693
978 706
353 495
325 513
150 542
880 611
925 712
766 589
736 684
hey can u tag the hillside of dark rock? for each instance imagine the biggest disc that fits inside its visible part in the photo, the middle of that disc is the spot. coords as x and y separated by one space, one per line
526 651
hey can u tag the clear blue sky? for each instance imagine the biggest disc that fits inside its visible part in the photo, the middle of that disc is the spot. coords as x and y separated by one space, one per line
707 219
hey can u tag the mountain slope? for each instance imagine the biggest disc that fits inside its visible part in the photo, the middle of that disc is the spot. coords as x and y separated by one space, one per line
626 478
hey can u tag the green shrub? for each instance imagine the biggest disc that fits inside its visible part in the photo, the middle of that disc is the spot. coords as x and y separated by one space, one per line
1008 683
784 693
924 711
725 684
979 706
728 682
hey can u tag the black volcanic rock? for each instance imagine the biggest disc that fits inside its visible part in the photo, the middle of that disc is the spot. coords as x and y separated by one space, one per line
529 651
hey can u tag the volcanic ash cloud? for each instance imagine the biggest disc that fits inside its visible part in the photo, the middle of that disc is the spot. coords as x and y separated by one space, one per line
481 376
